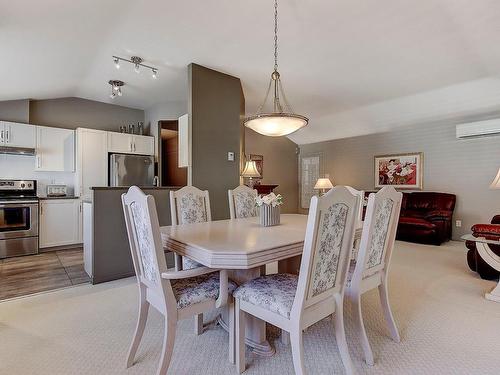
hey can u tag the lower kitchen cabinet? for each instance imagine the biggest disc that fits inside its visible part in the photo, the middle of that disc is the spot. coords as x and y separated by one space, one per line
59 222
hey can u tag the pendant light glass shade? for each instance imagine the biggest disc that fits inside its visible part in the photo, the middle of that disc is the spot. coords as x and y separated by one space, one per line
281 120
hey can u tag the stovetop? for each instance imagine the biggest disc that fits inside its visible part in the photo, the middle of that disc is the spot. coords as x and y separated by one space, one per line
18 190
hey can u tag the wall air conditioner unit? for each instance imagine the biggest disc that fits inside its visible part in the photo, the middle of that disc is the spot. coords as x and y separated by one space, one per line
478 129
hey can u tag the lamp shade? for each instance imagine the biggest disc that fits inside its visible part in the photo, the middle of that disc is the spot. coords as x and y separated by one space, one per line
496 182
250 170
323 183
276 124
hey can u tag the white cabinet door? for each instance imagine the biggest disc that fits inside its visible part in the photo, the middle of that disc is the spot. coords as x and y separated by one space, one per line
18 135
120 142
92 161
184 135
59 224
143 145
55 149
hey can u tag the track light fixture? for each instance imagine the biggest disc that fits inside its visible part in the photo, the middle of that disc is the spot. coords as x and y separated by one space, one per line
138 63
116 88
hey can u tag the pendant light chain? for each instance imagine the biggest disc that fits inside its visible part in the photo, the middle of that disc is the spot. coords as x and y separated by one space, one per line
275 35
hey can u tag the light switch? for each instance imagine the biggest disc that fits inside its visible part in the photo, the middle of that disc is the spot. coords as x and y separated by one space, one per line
230 156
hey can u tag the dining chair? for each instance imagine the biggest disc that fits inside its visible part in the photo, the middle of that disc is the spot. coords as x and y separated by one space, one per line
242 202
175 294
371 267
187 206
292 302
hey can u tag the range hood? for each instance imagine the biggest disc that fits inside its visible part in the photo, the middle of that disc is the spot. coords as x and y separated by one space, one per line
17 150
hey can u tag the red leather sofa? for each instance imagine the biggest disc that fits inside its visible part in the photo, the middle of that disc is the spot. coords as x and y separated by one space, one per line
476 263
426 217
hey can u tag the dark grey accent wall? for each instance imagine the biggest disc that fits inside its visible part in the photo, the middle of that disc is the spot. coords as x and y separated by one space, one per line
214 107
280 165
112 258
462 167
15 110
72 113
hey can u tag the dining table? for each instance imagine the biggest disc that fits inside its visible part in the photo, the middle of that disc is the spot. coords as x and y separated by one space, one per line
243 247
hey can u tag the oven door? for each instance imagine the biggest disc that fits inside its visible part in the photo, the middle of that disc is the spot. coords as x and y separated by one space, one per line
18 219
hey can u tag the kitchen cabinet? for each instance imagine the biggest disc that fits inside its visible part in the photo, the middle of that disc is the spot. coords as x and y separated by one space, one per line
91 161
59 222
55 149
130 144
13 134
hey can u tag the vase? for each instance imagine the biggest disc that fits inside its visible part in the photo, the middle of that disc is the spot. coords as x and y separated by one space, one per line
269 215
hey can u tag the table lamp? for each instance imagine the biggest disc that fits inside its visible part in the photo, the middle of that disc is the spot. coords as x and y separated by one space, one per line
496 182
323 184
250 171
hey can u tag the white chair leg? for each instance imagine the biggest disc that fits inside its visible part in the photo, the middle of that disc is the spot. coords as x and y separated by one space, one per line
340 334
360 327
198 324
231 331
139 329
297 351
240 337
386 308
168 346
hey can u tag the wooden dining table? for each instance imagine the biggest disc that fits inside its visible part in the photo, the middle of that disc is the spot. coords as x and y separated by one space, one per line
244 247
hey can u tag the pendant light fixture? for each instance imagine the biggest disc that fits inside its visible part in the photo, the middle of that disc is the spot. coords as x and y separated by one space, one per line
281 120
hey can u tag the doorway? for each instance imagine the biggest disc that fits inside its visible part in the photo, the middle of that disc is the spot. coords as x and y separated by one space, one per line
170 173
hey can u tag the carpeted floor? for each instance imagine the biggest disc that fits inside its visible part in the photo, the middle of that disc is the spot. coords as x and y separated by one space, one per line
446 325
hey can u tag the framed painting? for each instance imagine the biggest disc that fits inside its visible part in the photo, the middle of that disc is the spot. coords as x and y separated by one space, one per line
259 163
402 171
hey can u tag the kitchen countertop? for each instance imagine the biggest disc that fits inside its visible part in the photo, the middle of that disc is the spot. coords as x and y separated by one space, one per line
44 197
126 187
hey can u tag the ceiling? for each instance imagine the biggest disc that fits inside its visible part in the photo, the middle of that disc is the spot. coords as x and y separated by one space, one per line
349 65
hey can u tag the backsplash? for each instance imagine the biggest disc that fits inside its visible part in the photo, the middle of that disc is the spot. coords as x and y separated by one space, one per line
23 167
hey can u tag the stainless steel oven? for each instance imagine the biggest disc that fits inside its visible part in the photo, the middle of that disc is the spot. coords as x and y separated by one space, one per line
18 218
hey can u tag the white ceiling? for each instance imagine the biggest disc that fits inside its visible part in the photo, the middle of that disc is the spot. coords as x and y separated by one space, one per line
350 65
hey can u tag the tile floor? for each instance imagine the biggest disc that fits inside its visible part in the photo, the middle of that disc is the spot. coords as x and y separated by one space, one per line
38 273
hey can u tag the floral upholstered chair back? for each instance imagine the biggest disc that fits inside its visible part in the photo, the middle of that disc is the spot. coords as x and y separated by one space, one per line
190 205
379 232
242 202
327 246
143 230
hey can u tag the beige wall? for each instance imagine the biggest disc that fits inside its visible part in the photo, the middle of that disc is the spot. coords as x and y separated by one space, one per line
214 108
76 112
462 167
280 165
70 113
15 110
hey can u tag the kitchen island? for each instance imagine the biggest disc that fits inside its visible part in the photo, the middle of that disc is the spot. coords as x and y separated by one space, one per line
105 242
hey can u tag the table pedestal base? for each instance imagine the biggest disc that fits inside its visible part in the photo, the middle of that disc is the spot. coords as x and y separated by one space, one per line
494 295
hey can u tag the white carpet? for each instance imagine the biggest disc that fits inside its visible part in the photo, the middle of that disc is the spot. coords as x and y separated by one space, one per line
446 326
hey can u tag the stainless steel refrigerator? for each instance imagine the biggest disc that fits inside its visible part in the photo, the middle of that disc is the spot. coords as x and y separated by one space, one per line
128 170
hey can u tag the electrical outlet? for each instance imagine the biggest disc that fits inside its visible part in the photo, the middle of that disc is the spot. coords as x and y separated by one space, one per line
230 156
458 223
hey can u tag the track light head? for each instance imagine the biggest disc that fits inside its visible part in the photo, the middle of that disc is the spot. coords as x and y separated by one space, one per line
117 62
154 73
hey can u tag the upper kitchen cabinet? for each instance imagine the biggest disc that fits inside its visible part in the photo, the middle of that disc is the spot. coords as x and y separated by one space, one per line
124 143
55 149
91 161
13 134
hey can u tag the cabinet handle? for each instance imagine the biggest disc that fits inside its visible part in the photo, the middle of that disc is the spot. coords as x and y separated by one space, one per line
134 146
1 136
41 209
7 138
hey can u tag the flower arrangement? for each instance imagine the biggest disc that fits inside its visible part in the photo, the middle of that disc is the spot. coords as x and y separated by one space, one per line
269 209
269 199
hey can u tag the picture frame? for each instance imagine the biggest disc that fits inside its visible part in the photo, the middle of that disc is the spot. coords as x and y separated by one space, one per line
401 171
259 163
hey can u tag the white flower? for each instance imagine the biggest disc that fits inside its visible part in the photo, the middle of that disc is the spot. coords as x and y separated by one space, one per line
270 200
